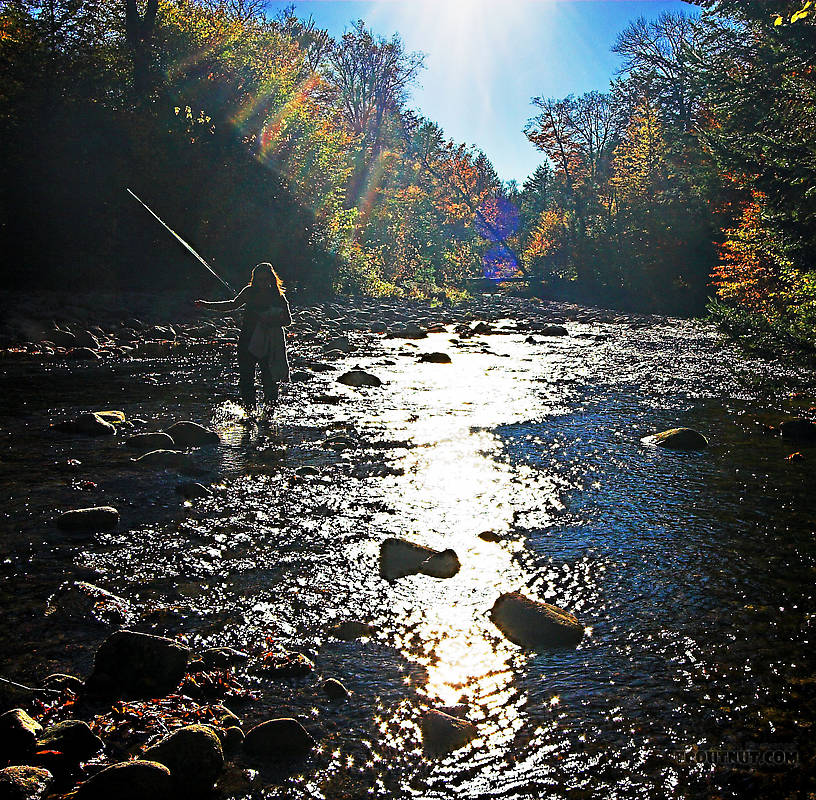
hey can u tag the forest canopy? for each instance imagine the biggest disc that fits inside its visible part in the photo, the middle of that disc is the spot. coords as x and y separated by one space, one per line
264 138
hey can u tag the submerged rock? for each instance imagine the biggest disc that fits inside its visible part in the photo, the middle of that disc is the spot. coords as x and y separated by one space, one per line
18 734
278 738
553 330
81 600
138 665
24 783
193 755
73 738
191 434
151 441
285 665
399 558
335 690
351 629
678 439
132 780
359 377
435 358
443 733
98 518
801 429
190 490
166 459
533 624
88 423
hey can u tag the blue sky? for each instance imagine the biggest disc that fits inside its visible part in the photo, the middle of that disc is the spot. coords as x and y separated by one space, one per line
485 59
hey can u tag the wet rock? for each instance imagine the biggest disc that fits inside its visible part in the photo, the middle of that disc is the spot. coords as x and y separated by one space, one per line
340 343
151 441
193 755
340 441
553 330
285 665
60 682
87 423
533 624
83 601
191 434
138 665
435 358
278 738
89 520
407 332
190 490
399 558
378 327
489 536
61 338
18 734
83 354
359 377
801 429
307 471
300 376
335 690
220 657
443 733
351 629
132 780
24 783
234 782
73 738
166 459
233 739
677 439
86 339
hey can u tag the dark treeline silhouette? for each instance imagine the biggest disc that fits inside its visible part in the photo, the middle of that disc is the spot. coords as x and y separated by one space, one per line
255 138
267 139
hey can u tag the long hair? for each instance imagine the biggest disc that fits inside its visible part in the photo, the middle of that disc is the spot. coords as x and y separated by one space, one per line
265 266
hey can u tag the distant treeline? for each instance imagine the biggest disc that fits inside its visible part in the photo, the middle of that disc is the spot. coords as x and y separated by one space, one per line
267 139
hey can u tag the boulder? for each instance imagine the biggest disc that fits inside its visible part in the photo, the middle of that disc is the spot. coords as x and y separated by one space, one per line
285 665
533 624
18 734
407 332
145 442
489 536
677 439
359 377
278 738
435 358
193 755
553 330
61 338
89 520
234 782
340 343
24 783
83 601
443 733
801 429
191 434
138 665
335 690
350 629
221 657
88 423
131 780
73 738
399 558
166 459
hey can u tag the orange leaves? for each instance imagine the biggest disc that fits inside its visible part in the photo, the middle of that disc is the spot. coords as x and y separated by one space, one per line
750 271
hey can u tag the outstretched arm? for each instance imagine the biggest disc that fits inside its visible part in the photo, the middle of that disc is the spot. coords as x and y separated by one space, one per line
223 306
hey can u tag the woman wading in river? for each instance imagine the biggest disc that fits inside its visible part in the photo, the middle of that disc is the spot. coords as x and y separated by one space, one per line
262 340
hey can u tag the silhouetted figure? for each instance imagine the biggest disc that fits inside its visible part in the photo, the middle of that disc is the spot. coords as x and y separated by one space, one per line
262 340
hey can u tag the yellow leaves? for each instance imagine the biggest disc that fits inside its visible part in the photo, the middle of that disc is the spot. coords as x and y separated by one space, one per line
801 14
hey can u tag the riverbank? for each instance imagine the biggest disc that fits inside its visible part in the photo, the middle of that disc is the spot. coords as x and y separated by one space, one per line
676 564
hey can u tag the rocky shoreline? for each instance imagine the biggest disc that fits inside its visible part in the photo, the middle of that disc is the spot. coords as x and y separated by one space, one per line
151 717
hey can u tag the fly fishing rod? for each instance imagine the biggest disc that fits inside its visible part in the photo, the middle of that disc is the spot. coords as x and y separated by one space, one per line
181 241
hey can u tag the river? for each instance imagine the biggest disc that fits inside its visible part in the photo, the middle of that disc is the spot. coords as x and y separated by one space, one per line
693 572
